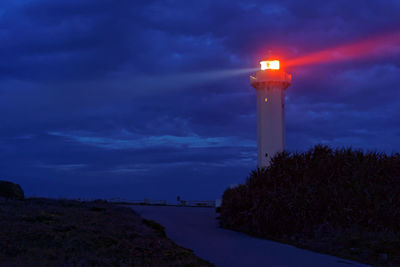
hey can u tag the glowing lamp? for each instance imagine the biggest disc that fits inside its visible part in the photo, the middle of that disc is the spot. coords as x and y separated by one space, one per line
270 65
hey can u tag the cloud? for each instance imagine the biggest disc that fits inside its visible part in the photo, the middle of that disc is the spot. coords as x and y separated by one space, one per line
62 167
191 141
155 94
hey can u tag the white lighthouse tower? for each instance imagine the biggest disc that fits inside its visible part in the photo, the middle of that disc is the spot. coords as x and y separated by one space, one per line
270 83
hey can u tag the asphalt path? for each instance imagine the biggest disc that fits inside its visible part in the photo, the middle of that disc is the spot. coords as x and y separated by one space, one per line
198 230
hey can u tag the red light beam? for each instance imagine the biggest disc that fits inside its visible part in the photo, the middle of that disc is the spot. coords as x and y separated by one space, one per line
377 46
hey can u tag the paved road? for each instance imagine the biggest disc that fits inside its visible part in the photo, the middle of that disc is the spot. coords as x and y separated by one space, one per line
197 229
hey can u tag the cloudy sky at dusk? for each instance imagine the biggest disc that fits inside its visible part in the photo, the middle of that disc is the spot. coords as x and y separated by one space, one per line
102 98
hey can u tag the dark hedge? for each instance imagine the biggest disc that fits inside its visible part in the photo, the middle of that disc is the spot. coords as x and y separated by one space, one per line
10 190
321 195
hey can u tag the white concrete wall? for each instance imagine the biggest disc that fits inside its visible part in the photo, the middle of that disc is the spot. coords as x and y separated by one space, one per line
270 122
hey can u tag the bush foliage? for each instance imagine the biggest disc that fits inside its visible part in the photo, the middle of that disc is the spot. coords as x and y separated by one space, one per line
319 194
11 191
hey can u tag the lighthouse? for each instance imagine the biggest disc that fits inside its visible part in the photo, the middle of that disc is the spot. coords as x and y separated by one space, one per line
270 83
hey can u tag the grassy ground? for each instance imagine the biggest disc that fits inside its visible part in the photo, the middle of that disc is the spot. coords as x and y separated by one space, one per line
46 232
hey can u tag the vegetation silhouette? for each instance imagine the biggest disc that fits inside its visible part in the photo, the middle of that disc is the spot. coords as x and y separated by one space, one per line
343 202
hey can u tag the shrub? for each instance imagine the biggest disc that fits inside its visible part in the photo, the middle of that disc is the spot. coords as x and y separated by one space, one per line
11 191
317 194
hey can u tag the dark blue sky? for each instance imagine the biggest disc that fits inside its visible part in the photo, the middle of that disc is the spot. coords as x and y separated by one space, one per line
102 98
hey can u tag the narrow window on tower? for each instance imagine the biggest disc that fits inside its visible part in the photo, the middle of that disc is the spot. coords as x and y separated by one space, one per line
266 100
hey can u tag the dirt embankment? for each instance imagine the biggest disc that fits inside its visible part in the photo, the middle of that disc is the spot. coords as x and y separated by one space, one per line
46 232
